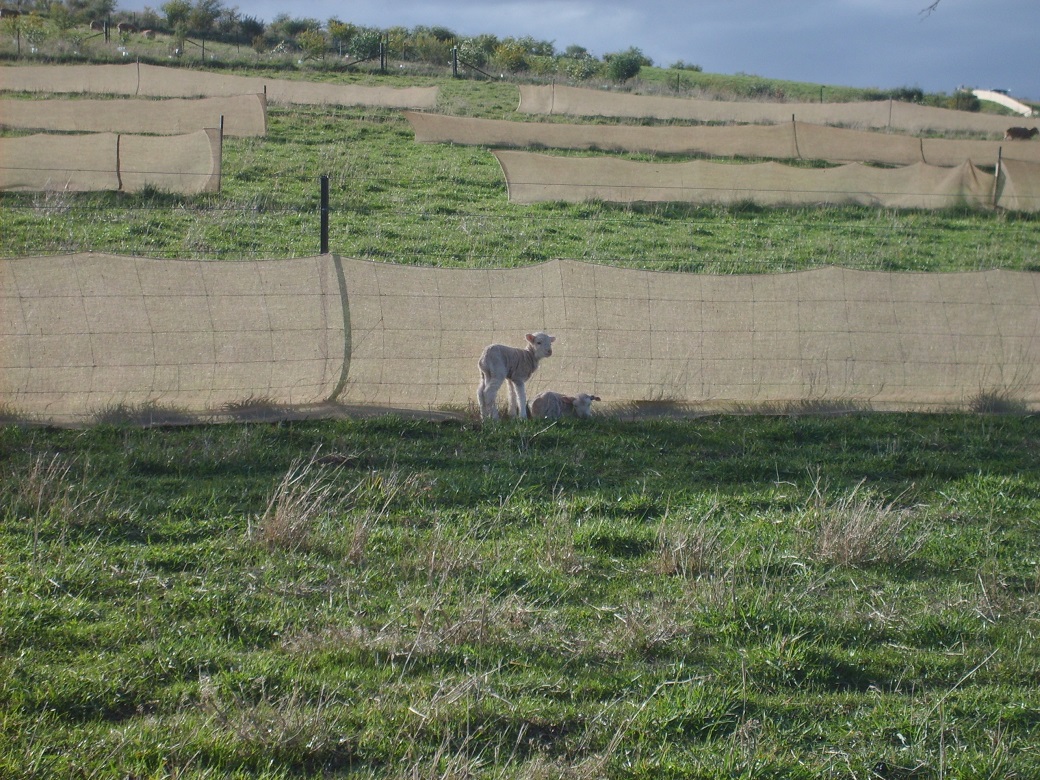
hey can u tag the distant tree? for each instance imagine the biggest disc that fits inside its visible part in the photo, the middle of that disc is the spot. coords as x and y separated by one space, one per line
250 28
61 18
33 28
228 21
341 31
908 94
87 11
575 52
427 47
177 12
150 19
287 27
626 65
65 27
11 25
397 40
442 34
471 52
681 65
965 101
365 44
511 55
313 44
180 37
583 68
203 16
478 50
545 66
536 47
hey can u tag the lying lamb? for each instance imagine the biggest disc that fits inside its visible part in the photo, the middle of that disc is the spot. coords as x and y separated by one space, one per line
550 405
499 363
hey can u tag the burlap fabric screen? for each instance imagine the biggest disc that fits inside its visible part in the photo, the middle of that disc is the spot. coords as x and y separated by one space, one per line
81 333
790 140
156 81
242 115
1018 185
106 161
882 114
533 178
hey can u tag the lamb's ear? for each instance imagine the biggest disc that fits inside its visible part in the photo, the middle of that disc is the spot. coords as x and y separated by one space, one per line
568 398
530 337
596 398
552 339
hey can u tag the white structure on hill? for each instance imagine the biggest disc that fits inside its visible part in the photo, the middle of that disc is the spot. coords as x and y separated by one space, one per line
994 96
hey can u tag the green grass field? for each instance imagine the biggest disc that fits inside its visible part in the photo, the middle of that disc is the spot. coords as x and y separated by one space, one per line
790 596
714 598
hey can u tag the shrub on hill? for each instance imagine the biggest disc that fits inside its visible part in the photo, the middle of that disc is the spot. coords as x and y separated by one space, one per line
626 65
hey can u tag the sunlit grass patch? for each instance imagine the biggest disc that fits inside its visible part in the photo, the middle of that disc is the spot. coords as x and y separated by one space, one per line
858 529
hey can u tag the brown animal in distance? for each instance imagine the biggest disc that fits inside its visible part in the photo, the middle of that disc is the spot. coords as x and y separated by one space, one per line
1020 133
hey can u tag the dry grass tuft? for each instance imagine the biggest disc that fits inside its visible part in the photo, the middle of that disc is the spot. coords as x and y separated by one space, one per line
997 402
859 530
49 492
295 728
312 492
9 415
50 496
254 408
306 496
145 414
689 550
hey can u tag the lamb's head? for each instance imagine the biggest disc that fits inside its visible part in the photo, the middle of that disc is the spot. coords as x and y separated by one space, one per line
541 344
583 404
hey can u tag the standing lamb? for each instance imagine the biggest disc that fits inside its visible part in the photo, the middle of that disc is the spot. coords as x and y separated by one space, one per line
1020 133
550 405
499 363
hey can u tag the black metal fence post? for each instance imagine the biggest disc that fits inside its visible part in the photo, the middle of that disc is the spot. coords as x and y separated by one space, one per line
324 214
220 158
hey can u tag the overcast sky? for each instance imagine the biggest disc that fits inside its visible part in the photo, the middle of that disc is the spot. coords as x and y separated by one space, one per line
860 43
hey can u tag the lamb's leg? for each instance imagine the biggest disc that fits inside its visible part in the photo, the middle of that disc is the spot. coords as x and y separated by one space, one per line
486 396
512 397
518 400
481 404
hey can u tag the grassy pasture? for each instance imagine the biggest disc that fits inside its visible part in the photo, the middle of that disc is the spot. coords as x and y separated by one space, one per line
726 597
399 201
795 597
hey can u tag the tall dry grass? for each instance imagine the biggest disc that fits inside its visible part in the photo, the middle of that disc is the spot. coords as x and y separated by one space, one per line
858 529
